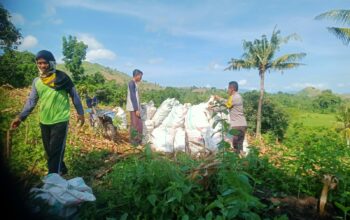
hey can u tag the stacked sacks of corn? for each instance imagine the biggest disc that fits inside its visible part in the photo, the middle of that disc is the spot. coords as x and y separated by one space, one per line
163 111
163 136
193 129
147 112
196 126
203 129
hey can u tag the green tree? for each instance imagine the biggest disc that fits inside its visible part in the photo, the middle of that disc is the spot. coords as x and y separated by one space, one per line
342 16
74 53
9 34
111 93
274 119
344 117
327 101
17 68
260 54
98 78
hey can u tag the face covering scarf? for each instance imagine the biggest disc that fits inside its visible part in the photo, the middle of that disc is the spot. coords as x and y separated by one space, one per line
56 79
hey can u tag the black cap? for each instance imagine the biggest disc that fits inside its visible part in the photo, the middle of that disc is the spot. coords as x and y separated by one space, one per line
46 55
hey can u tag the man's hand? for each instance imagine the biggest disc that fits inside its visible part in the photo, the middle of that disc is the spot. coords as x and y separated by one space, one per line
15 123
138 114
81 118
216 97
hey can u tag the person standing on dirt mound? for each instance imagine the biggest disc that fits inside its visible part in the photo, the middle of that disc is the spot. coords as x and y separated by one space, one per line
52 89
133 106
237 119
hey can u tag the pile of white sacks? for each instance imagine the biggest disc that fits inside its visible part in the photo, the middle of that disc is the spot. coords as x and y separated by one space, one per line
120 113
175 127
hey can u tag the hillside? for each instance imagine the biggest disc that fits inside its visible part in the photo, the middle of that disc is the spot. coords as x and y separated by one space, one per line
111 74
122 78
310 92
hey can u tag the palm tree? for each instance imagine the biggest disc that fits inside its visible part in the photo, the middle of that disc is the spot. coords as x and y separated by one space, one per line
344 117
260 55
342 16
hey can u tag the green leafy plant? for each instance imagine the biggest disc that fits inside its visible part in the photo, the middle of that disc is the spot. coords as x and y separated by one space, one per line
345 209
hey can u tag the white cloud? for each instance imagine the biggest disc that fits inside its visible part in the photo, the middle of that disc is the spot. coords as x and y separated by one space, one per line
28 42
215 66
17 19
304 85
129 64
252 88
90 41
96 50
343 85
100 54
50 9
157 60
242 82
50 13
179 20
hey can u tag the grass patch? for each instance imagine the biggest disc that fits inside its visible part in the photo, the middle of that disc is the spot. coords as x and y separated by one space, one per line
311 119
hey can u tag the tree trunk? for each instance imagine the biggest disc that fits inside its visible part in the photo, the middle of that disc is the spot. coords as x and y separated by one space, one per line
258 118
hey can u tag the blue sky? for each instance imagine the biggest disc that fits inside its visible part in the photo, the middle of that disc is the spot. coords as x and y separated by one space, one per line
186 43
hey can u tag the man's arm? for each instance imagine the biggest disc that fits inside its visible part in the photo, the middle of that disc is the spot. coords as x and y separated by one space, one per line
132 89
28 107
76 101
30 103
228 102
77 104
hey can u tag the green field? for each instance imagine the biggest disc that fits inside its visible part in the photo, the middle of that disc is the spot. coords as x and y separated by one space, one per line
311 119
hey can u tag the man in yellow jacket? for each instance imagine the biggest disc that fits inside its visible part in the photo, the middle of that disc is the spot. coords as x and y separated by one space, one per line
237 119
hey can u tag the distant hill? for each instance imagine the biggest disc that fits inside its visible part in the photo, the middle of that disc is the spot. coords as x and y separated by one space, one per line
111 74
122 78
310 92
345 96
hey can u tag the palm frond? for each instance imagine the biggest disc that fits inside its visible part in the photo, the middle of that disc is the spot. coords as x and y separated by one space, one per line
291 37
275 39
287 58
342 16
285 66
237 64
342 33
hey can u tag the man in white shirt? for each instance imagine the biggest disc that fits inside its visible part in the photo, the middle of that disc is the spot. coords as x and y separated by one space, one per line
133 106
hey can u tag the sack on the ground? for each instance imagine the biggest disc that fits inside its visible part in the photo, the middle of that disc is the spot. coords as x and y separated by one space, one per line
120 116
148 110
197 117
163 139
245 145
63 196
163 111
148 127
176 117
195 141
213 135
180 140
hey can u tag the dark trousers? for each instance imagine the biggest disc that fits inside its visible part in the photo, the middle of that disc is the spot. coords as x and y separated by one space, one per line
238 139
135 129
54 140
